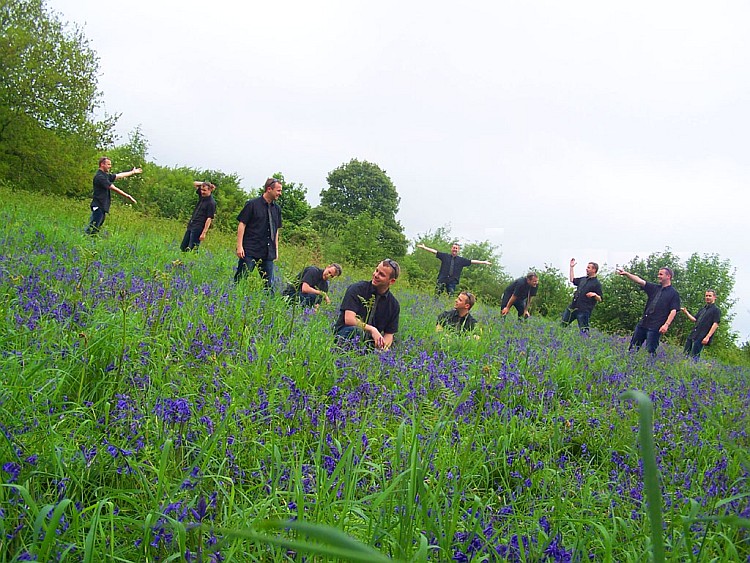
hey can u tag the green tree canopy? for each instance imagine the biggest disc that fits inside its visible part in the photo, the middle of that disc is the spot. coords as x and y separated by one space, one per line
359 187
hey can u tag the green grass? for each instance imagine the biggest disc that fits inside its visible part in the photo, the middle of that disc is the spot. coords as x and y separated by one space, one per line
152 411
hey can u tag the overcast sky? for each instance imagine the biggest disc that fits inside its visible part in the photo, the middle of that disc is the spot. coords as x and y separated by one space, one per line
593 130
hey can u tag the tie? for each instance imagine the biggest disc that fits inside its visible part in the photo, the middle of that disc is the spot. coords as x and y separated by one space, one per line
450 268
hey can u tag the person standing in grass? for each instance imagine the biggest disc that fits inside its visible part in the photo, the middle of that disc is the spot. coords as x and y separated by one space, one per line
312 285
202 217
258 235
661 308
369 309
519 294
706 323
588 294
458 319
450 267
102 198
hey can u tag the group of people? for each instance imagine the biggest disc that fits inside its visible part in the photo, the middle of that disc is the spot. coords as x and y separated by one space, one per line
369 309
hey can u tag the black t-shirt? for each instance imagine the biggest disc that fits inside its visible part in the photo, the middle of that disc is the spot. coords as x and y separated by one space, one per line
451 319
448 274
102 195
312 276
205 208
521 288
387 309
661 301
704 320
583 285
259 240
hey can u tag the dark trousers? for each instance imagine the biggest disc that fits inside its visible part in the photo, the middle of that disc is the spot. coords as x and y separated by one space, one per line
265 269
583 318
648 335
96 221
693 347
191 240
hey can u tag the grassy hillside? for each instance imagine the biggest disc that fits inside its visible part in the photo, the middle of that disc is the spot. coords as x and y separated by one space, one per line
153 411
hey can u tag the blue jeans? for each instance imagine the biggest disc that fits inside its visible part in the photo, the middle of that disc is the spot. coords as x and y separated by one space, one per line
191 240
95 221
583 317
693 347
449 288
265 269
649 335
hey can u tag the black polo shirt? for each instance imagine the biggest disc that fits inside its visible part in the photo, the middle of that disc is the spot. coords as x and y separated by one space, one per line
102 195
583 285
445 275
205 208
259 240
704 320
661 301
451 319
387 310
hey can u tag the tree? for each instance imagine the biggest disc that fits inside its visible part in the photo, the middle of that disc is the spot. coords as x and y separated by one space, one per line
359 187
49 71
48 93
554 293
622 306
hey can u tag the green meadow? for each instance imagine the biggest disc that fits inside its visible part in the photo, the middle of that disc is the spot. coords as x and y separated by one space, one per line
151 410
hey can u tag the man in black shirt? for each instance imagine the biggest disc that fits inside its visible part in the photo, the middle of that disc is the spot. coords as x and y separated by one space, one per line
519 294
459 318
369 309
202 217
312 285
588 293
258 234
661 307
706 322
450 267
102 198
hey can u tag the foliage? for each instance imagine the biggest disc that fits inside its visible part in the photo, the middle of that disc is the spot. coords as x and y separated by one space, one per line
48 93
359 187
623 302
553 294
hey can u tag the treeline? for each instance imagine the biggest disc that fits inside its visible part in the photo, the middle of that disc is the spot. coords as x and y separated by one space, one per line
50 141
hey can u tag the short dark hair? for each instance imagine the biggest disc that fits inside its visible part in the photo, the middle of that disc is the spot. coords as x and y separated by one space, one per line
337 267
270 182
393 265
470 299
102 159
531 275
709 290
668 270
595 265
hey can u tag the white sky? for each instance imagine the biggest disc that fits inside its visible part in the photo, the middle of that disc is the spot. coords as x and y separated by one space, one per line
552 129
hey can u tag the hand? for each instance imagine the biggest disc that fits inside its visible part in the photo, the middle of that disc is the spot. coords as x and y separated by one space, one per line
591 294
526 314
377 338
504 311
620 271
131 198
664 328
136 171
240 252
328 299
705 340
573 262
202 237
683 309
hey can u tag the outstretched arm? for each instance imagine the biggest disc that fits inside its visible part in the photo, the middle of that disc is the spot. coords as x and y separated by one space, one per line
633 278
427 248
485 262
127 174
572 266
